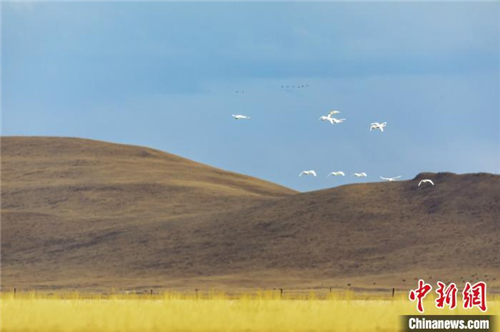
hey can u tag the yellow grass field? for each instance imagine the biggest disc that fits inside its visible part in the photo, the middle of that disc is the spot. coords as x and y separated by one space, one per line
263 311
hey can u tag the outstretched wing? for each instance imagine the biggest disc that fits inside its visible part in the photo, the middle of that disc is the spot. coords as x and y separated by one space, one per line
313 173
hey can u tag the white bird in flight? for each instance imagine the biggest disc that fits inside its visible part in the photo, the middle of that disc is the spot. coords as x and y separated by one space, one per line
311 172
334 112
425 181
336 173
360 175
376 125
332 120
240 117
337 120
391 179
325 118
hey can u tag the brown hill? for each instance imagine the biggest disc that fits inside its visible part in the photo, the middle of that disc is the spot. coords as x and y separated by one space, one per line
93 215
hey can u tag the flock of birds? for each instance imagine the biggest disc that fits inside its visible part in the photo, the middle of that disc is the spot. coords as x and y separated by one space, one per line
329 117
295 86
363 175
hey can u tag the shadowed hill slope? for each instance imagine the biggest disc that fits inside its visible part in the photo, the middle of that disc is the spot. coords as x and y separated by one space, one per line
451 230
90 215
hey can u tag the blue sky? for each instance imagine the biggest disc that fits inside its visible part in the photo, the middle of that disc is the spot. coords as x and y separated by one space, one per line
164 75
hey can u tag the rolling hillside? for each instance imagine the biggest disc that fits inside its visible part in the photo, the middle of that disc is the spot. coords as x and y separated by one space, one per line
83 214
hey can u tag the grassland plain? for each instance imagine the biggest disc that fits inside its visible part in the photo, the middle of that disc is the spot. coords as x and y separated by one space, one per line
261 311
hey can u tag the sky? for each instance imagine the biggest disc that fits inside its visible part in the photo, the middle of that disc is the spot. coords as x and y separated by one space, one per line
165 75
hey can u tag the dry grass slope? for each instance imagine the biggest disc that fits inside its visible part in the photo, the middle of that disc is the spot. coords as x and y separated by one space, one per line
93 215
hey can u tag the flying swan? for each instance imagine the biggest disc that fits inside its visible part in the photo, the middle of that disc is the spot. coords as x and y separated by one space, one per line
360 175
311 172
332 120
240 117
391 179
336 173
376 125
425 181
